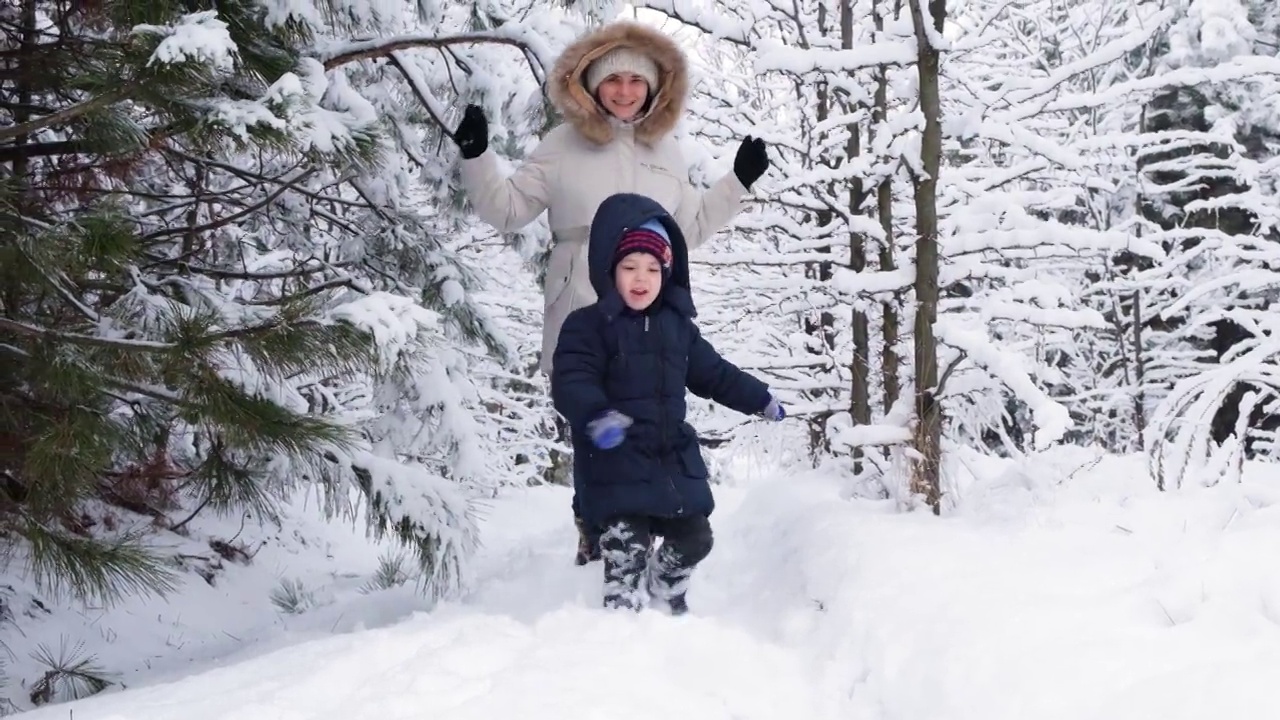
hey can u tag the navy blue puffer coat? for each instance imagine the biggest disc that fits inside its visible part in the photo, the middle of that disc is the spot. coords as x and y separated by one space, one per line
640 364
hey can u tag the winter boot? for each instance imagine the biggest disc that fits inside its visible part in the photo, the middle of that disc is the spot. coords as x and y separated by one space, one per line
686 542
588 543
666 591
677 605
623 546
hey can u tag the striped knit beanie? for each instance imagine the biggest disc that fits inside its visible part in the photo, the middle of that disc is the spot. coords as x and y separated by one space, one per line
651 238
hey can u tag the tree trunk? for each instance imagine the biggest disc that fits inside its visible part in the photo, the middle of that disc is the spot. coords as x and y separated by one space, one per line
884 209
1139 372
859 364
1139 357
22 68
820 326
926 475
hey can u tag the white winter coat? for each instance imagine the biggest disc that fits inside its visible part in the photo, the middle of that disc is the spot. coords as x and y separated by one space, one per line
582 162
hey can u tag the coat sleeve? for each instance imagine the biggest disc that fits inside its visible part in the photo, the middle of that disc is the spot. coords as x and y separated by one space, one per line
714 378
703 213
578 370
509 203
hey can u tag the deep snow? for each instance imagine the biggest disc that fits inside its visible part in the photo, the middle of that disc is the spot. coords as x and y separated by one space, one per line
1060 587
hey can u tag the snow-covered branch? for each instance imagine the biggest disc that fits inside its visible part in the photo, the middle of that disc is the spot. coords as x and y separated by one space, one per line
374 48
1052 418
807 61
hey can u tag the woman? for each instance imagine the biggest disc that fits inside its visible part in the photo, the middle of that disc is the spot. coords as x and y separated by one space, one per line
622 89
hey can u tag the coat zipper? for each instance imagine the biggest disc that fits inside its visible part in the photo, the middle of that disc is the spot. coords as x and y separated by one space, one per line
662 419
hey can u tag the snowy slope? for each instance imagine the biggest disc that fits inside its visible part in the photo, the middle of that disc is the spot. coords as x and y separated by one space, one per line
223 607
1094 597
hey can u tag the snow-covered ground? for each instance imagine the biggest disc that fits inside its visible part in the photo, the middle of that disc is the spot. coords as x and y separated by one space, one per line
231 568
1059 588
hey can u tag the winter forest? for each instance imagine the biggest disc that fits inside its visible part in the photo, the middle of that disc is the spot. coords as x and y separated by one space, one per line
1013 262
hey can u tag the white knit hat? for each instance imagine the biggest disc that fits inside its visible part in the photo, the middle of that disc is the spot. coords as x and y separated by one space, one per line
619 60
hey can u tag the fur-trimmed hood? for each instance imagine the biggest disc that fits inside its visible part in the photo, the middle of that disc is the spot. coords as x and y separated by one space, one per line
570 96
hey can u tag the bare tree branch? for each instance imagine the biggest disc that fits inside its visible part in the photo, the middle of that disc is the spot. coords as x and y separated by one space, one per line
374 48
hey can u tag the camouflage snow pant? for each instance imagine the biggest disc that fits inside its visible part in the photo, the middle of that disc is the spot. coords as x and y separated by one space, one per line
628 562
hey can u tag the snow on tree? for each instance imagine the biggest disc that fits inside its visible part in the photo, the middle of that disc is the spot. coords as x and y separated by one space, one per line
234 267
1056 279
816 213
1214 195
236 261
839 212
1137 160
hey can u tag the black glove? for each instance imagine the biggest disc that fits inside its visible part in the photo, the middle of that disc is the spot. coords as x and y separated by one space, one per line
472 135
751 162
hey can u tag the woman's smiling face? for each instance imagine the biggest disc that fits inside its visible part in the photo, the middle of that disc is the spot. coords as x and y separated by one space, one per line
623 94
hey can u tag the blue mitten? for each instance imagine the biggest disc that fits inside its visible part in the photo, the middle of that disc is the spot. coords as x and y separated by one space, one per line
774 410
609 429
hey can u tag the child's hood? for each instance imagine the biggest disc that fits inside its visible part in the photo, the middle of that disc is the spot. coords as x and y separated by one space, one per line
615 216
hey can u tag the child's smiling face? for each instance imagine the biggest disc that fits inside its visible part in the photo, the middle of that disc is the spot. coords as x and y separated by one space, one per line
638 277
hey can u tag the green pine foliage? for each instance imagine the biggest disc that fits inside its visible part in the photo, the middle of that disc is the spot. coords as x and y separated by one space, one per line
104 361
184 210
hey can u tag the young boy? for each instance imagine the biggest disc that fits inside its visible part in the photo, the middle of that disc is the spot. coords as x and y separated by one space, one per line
619 375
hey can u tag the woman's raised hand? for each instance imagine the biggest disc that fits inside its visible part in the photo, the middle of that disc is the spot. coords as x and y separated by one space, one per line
472 135
751 162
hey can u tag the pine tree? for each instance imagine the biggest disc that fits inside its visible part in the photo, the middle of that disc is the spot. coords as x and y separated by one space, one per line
120 373
217 284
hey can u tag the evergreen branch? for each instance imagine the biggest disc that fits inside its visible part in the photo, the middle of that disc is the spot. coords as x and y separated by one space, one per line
60 288
69 443
426 101
392 280
258 425
91 568
182 523
28 151
368 197
67 678
241 275
78 146
230 219
228 483
345 281
237 171
381 47
166 395
79 339
290 184
391 573
70 113
334 219
264 328
155 393
289 346
441 542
